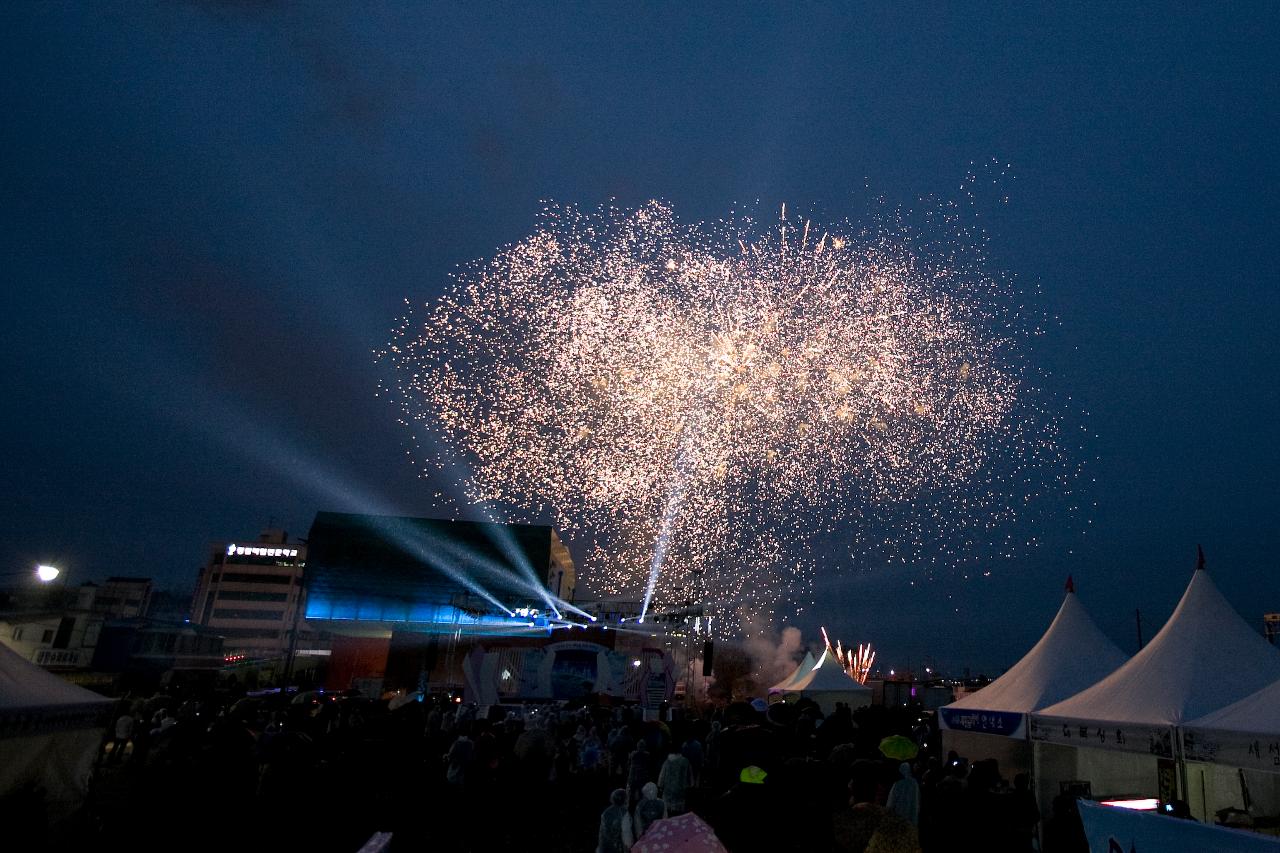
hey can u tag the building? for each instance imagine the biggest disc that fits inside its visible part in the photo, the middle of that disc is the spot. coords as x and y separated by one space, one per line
1271 627
123 598
144 654
54 628
249 594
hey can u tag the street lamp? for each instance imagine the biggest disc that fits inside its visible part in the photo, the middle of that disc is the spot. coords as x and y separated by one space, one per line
43 573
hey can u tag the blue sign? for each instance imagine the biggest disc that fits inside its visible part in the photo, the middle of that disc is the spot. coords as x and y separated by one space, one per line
1005 723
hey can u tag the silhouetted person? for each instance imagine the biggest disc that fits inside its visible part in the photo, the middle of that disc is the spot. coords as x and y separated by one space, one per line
904 796
615 835
674 781
1064 832
639 771
746 818
123 734
1024 815
648 810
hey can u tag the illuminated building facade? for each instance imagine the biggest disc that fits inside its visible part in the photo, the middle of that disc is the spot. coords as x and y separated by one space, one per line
405 599
249 594
381 573
1271 627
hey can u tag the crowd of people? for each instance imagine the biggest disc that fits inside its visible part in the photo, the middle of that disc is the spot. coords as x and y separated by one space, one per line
325 771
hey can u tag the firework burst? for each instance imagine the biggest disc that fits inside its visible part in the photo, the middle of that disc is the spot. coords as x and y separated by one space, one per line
705 399
856 662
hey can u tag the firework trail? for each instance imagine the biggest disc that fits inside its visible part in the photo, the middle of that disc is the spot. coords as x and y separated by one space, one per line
857 663
711 397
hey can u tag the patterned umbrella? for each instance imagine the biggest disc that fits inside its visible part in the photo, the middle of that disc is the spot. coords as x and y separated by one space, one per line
899 747
684 834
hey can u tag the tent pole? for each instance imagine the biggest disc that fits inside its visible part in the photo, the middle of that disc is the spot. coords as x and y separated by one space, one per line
1035 778
1180 765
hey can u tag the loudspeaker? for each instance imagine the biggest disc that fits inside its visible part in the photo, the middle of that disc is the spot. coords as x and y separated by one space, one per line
430 653
708 656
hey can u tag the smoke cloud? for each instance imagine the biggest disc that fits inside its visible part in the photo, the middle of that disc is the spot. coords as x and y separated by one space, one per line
773 656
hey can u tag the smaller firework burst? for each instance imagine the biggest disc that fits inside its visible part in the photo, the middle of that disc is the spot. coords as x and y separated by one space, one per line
856 662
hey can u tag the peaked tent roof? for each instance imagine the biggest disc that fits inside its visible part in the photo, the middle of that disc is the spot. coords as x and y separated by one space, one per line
1072 655
827 674
805 665
1256 713
32 699
1167 682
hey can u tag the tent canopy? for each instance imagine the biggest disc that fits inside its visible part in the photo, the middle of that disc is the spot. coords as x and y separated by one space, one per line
1257 713
1204 658
796 674
49 732
27 692
1072 655
827 675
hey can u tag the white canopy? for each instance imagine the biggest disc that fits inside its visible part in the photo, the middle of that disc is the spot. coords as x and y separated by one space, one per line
1204 658
49 731
827 683
28 693
1072 655
827 674
796 674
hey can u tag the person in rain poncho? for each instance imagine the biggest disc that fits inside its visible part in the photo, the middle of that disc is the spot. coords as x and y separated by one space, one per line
904 796
674 780
648 810
615 835
639 771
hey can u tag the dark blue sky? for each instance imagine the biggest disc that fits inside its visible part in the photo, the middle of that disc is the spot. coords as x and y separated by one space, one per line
212 212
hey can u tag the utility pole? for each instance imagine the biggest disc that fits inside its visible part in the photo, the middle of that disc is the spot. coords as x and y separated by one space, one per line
1137 615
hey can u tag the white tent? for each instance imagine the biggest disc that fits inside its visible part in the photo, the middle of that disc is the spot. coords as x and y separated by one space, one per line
1244 734
1204 658
1072 655
1117 732
992 723
827 683
49 732
796 674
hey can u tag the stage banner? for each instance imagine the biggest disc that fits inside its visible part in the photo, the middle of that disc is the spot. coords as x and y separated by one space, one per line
1126 737
1006 723
1114 830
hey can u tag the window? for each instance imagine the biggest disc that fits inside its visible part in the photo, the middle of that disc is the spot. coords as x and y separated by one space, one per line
237 595
17 633
242 577
230 613
47 637
248 633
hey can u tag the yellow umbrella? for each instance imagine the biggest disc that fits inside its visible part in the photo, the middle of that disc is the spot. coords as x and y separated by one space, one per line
899 747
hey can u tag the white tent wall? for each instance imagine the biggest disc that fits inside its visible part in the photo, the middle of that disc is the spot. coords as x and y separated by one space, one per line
57 762
1108 772
1013 755
801 670
49 734
1213 787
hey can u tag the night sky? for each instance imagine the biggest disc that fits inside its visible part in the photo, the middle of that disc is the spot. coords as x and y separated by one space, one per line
213 212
